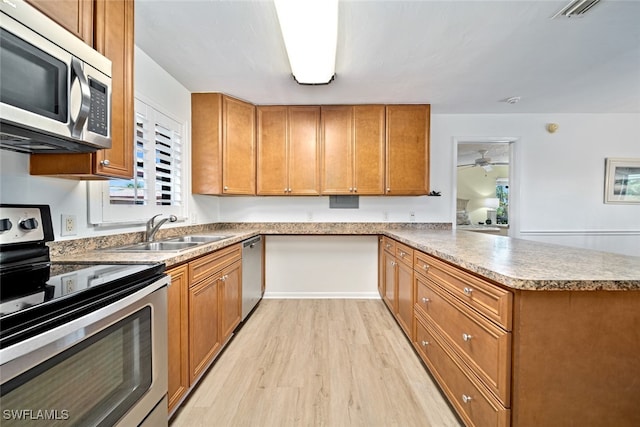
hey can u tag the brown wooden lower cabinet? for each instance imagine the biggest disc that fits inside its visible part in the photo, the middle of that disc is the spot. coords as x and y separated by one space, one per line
178 330
525 358
205 307
473 402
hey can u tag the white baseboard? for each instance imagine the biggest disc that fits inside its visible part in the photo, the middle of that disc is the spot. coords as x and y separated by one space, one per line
321 295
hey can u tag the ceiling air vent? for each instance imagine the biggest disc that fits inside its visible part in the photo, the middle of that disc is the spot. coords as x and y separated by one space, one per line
576 8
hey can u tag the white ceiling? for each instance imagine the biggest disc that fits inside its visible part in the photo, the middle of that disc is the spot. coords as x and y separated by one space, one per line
459 56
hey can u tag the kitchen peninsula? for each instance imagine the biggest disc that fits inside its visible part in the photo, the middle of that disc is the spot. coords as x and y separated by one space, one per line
563 345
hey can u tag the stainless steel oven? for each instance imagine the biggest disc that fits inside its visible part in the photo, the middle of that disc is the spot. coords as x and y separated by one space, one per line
80 345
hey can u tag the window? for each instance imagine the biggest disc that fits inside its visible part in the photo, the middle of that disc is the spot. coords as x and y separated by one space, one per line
157 185
158 157
502 193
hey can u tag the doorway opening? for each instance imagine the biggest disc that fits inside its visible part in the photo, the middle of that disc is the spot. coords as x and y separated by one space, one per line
485 185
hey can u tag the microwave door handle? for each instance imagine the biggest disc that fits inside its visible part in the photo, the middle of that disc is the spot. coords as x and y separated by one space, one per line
77 125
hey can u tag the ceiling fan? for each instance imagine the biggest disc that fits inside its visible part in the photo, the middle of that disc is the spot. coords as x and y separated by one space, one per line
483 162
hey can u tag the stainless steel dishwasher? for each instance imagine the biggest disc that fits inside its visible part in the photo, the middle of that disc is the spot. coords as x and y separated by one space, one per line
251 274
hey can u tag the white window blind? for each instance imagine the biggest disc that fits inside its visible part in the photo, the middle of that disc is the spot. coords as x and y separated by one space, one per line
158 162
157 186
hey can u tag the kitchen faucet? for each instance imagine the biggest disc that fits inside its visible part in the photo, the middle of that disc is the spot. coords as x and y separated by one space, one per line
153 228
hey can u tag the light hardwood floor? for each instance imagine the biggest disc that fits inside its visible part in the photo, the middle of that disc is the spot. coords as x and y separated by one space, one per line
317 363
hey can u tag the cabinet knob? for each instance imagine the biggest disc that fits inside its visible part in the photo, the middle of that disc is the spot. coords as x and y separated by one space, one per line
402 254
289 190
393 263
387 245
351 189
355 190
466 337
466 399
425 300
226 188
425 343
105 162
425 267
468 291
388 190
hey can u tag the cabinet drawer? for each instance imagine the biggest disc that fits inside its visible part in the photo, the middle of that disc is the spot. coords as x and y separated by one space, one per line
475 405
389 245
404 254
484 347
209 264
488 299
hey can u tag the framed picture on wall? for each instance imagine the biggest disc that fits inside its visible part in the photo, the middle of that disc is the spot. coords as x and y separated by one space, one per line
622 180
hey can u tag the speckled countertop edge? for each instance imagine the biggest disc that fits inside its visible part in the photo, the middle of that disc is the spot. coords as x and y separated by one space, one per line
527 265
514 263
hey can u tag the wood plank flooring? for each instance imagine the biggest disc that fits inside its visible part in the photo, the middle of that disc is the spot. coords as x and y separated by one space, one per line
317 363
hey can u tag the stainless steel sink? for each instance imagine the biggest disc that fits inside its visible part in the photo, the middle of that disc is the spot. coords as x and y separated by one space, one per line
164 246
197 239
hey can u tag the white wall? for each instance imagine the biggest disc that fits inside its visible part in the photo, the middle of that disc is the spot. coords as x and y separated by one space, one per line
66 196
560 175
321 267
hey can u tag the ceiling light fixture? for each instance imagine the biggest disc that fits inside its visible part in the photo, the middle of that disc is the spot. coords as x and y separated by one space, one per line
310 32
512 100
576 8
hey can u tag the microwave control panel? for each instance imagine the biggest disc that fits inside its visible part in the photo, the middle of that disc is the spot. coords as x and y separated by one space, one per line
98 120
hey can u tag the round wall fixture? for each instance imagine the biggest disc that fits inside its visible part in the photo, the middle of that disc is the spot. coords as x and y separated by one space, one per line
552 127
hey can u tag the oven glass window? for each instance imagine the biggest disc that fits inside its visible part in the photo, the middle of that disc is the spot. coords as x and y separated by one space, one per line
93 383
31 79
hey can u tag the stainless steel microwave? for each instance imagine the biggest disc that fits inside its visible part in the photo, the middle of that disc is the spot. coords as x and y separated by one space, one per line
55 90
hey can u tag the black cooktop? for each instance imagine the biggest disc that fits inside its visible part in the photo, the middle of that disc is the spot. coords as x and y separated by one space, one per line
49 292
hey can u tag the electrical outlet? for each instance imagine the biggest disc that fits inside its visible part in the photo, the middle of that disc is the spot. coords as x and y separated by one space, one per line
69 284
385 216
68 225
309 216
412 216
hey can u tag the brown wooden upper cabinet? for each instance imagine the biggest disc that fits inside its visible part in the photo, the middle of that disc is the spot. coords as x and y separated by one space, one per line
353 149
113 36
407 149
74 15
288 150
223 145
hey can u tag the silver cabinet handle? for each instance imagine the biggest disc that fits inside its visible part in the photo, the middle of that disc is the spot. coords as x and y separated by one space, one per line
105 162
425 300
466 337
425 343
387 245
468 291
402 254
393 263
466 399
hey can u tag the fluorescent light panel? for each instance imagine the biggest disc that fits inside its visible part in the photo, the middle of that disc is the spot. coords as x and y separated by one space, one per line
310 32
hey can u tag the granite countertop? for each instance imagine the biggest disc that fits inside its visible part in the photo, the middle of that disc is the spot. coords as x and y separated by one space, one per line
514 263
524 264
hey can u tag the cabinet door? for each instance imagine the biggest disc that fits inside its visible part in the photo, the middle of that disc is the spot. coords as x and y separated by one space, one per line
230 299
238 147
390 289
204 325
368 147
407 149
304 126
272 175
206 137
337 150
114 39
74 15
405 298
178 339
